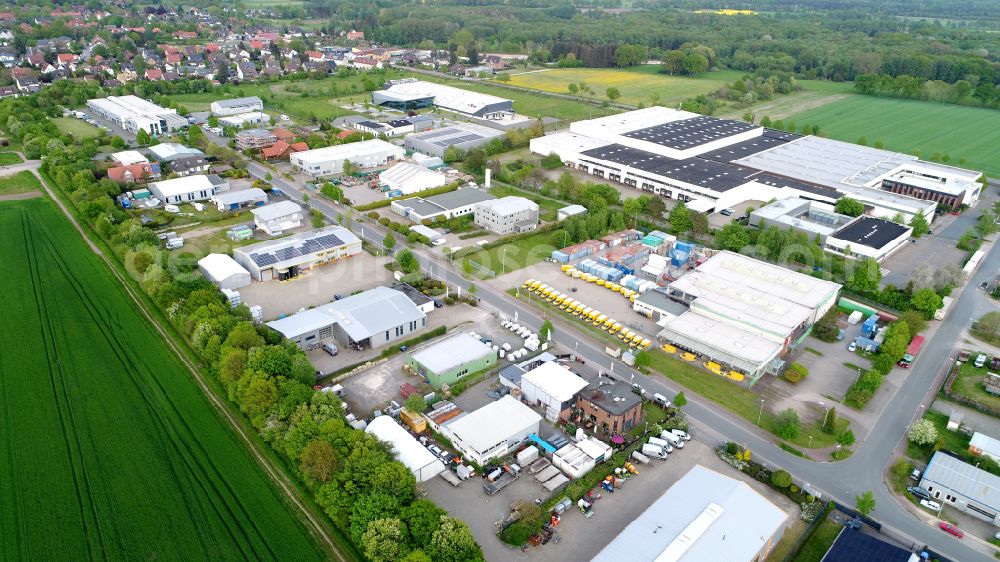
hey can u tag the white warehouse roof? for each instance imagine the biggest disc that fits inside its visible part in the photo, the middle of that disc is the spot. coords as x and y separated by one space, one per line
410 178
703 517
452 352
239 196
421 462
276 210
555 380
127 157
187 184
166 151
219 267
508 205
345 151
493 423
449 97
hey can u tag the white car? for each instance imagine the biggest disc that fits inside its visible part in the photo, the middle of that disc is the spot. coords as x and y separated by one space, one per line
852 346
931 505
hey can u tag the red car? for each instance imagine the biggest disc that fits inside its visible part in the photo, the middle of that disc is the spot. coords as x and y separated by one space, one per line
951 529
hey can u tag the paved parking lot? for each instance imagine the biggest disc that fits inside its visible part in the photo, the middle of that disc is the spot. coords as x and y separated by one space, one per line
376 387
608 302
318 285
581 538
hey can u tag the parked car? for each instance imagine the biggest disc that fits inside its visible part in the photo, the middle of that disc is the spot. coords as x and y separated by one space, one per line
915 475
951 529
438 303
852 346
980 361
331 349
435 450
984 285
726 212
931 504
919 492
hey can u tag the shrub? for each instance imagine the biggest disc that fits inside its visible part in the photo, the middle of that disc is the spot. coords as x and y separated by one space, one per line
796 372
782 479
846 438
788 424
922 432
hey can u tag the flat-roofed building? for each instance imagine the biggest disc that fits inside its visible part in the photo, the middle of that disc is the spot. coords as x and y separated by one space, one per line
133 114
241 120
493 430
238 199
255 139
330 160
276 218
746 313
868 237
552 386
188 188
452 359
406 178
286 257
374 318
224 272
613 408
405 447
170 151
962 486
222 108
129 157
812 218
703 517
461 136
446 205
507 215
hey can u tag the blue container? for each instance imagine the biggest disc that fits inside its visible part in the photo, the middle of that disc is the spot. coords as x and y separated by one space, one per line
559 256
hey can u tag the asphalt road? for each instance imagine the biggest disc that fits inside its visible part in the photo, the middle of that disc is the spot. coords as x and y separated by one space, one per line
842 480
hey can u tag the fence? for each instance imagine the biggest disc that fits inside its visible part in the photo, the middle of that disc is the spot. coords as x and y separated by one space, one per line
482 268
808 533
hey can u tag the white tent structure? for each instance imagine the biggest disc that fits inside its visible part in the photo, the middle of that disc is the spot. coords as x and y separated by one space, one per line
421 462
224 272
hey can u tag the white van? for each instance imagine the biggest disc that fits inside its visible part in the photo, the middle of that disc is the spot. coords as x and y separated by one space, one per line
175 243
661 400
666 445
673 439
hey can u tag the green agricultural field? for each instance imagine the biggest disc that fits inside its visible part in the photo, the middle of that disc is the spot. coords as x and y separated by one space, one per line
960 132
21 182
79 129
110 449
637 85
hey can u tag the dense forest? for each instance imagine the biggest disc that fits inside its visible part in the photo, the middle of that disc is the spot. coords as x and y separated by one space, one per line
808 40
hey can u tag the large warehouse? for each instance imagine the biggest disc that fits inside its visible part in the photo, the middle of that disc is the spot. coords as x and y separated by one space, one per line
446 205
133 113
703 517
493 430
715 164
287 257
407 450
409 178
374 318
329 161
224 271
188 188
222 108
409 94
745 313
462 136
449 360
552 386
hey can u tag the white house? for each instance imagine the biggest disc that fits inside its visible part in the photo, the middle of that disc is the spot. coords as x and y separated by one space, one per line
188 188
278 217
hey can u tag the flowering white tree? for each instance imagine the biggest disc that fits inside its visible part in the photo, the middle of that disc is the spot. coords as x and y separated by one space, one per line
922 432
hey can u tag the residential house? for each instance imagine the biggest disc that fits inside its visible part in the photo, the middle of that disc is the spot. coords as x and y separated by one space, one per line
135 173
187 165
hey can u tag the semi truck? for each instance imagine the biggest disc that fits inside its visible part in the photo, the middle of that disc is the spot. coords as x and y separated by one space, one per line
912 351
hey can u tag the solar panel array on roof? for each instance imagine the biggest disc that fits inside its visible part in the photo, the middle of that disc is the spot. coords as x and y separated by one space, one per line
689 133
438 133
457 140
717 176
769 139
307 247
778 181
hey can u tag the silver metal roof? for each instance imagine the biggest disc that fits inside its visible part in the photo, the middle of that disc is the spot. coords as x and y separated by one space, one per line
964 479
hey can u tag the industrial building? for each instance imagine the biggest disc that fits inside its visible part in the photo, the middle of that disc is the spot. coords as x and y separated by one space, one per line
129 157
854 545
330 160
611 408
409 94
446 205
570 211
241 120
982 444
394 128
507 215
868 237
862 236
374 318
188 188
552 386
745 313
239 199
656 304
133 114
285 258
703 517
579 458
493 430
405 178
452 359
714 164
276 218
962 486
407 450
222 108
422 301
461 136
224 272
170 151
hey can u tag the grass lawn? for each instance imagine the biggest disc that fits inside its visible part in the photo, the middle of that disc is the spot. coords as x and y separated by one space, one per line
637 85
970 383
953 441
788 539
514 255
815 548
546 206
21 182
968 133
82 479
79 129
8 158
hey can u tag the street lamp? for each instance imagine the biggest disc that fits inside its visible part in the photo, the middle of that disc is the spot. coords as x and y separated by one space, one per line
810 441
761 414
